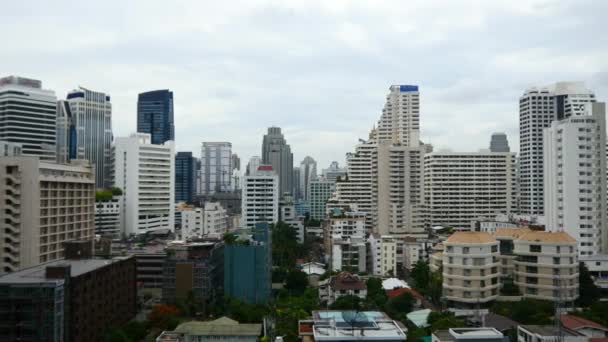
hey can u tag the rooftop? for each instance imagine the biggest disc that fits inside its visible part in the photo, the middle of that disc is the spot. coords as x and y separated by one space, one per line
471 237
574 323
549 237
223 326
37 273
347 281
394 283
351 325
513 233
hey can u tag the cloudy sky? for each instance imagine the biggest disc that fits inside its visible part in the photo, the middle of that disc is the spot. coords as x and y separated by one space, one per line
318 69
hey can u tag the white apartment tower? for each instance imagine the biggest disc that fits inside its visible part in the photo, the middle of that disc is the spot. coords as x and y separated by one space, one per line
575 178
28 116
463 186
260 197
43 205
146 173
216 167
537 109
92 117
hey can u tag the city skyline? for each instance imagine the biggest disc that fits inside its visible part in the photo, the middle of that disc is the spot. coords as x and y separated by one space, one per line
219 84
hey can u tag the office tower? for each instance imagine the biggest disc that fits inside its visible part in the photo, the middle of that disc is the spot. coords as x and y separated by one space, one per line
276 152
537 109
253 164
308 173
320 193
43 205
499 143
146 173
463 186
107 213
155 115
296 191
185 177
92 112
248 267
575 179
333 172
236 162
67 147
216 167
31 118
79 298
260 197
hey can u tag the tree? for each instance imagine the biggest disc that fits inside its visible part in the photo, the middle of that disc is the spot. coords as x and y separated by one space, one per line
135 331
399 306
115 335
285 246
376 296
296 282
116 191
229 238
509 288
421 275
526 311
588 292
435 287
597 312
161 315
444 320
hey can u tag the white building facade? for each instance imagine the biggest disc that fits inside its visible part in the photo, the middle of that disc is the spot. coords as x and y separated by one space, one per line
107 217
260 197
146 173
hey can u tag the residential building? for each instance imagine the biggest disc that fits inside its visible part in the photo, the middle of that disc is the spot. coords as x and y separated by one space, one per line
348 253
506 244
150 261
221 329
107 216
468 334
31 119
340 285
546 266
584 327
334 172
231 201
490 224
575 178
470 269
499 143
288 215
320 192
382 256
253 164
347 224
9 149
185 177
215 219
155 115
43 205
460 187
308 173
332 325
415 250
92 118
192 223
538 108
247 267
276 152
76 299
260 197
216 167
547 333
193 271
598 268
146 173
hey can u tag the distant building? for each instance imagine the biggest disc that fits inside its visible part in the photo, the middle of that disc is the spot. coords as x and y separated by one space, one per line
221 329
297 189
32 106
333 172
193 270
150 261
146 173
308 173
107 216
67 142
8 149
468 334
247 267
216 167
598 268
76 299
155 116
288 215
276 152
343 284
260 197
348 253
320 192
185 177
43 205
253 164
499 143
91 113
382 256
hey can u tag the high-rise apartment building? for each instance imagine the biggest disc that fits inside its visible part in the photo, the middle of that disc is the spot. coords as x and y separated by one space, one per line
463 186
185 177
260 197
320 193
308 173
155 115
146 173
499 143
92 115
537 109
28 116
43 205
216 167
400 120
333 172
276 152
575 178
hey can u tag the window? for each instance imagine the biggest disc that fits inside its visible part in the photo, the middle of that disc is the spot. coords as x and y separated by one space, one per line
535 248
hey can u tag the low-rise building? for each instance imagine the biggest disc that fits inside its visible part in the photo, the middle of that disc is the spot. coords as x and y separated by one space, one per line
150 261
546 333
343 284
467 335
107 216
598 268
289 216
348 253
221 329
382 255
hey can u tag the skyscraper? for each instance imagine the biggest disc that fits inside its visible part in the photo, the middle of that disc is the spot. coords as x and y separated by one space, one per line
537 109
67 147
31 118
308 173
296 191
575 179
499 143
185 177
216 167
276 152
92 115
155 115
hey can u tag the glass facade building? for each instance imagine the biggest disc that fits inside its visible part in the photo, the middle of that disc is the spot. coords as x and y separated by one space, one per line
185 177
155 115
